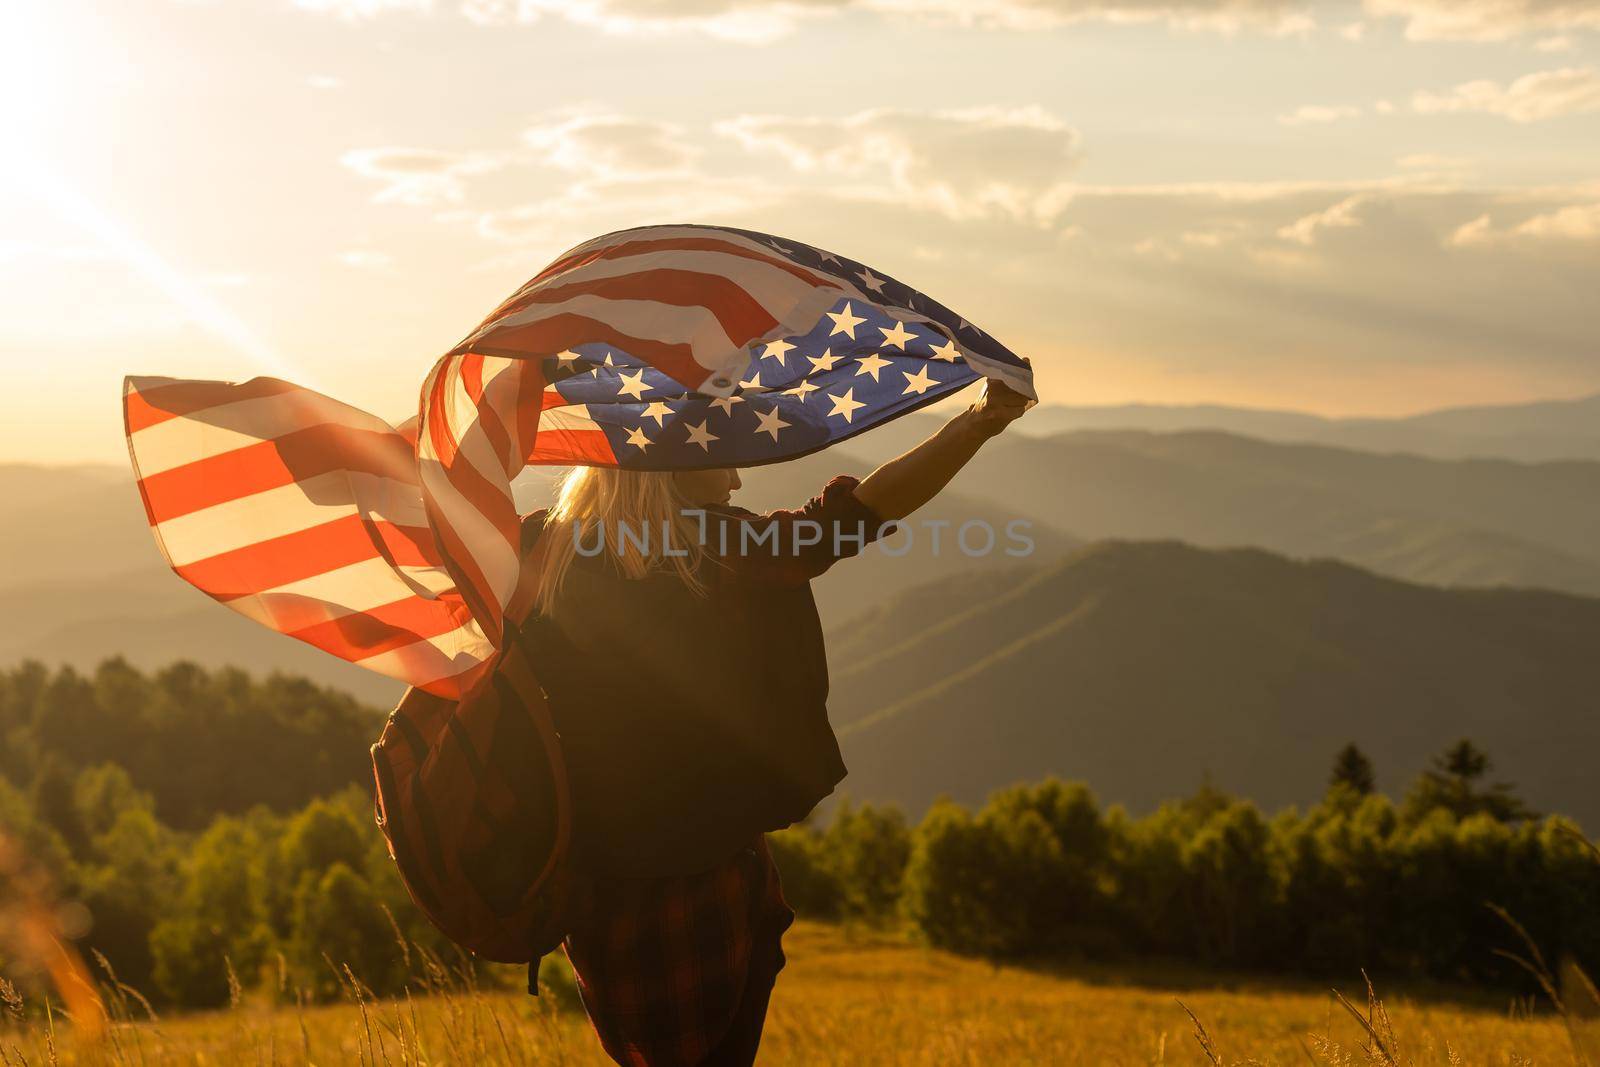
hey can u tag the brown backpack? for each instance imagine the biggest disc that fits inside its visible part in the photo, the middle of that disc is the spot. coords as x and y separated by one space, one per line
472 797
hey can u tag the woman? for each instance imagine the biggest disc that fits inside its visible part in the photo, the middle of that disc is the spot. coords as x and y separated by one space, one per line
688 681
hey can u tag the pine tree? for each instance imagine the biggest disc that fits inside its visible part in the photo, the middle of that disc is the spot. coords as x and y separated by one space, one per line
1353 771
1456 783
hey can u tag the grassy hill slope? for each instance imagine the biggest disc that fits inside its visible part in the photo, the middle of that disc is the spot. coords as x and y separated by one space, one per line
1140 668
1458 522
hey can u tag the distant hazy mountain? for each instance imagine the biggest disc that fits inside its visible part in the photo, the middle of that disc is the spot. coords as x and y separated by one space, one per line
1557 429
1137 667
94 584
151 618
853 586
1447 522
1142 667
71 524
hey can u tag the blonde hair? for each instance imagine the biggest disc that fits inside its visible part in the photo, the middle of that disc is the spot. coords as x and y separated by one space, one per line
599 502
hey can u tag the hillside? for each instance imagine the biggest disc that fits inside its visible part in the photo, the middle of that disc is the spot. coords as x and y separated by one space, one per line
76 523
855 586
1446 522
1140 668
1548 430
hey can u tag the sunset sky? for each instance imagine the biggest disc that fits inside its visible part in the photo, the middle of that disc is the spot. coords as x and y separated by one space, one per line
1363 208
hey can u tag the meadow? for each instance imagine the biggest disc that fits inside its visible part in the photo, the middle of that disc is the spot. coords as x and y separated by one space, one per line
850 996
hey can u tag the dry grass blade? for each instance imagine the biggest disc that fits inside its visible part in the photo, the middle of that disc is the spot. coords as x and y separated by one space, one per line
1201 1035
1540 970
1379 1047
12 1000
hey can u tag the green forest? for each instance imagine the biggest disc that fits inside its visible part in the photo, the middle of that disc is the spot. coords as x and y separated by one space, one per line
198 828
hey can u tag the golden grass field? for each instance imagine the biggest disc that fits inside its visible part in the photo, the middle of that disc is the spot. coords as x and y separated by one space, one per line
853 998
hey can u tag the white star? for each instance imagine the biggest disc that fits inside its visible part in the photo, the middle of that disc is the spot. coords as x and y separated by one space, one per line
897 336
919 382
725 404
801 390
780 248
776 348
658 411
769 423
871 365
637 439
844 322
948 352
632 385
845 405
699 435
824 361
871 281
567 357
753 383
829 257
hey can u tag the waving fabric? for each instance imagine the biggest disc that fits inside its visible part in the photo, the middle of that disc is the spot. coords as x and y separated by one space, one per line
659 348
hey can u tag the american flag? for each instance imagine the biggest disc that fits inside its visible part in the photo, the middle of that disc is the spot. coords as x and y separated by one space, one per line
657 348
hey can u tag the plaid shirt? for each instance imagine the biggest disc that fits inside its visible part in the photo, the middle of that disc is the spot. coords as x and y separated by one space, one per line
662 963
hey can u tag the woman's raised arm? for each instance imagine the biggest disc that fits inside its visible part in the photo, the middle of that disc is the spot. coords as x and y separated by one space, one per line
907 482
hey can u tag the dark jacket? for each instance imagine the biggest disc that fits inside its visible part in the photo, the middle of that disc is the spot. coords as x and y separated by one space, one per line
692 723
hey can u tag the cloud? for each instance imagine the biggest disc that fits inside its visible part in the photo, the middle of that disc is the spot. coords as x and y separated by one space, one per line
1305 285
972 163
1308 114
1572 223
325 81
764 21
1307 229
1560 43
591 206
757 22
1531 98
1576 222
1486 20
1224 16
605 145
1197 283
419 176
359 10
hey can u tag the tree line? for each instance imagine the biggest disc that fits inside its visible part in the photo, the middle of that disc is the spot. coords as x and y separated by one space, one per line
270 872
1356 881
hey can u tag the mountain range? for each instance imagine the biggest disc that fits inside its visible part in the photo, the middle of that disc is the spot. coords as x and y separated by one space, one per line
1113 653
1147 668
1481 522
1547 430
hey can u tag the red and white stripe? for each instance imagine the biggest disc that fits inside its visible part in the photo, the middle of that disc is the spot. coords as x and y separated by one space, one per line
400 551
305 515
688 300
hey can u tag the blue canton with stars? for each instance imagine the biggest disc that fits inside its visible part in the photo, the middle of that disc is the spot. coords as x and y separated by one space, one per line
862 364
